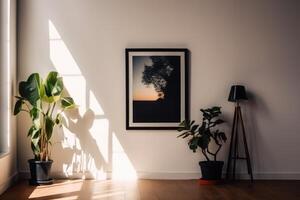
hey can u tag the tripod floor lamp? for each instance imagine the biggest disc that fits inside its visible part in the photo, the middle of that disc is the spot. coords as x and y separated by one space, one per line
237 93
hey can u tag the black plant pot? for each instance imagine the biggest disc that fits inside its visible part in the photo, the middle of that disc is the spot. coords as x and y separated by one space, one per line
211 170
40 172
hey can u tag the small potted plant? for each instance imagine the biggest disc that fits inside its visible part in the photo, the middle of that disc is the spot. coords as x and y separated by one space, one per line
201 136
40 100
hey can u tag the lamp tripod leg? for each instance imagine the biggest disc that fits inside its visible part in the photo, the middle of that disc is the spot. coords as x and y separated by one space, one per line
231 146
246 147
235 144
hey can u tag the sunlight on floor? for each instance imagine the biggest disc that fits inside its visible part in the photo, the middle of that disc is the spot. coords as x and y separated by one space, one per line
86 133
66 187
87 189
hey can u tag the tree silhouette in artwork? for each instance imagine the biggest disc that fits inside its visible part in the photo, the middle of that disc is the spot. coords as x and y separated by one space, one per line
164 74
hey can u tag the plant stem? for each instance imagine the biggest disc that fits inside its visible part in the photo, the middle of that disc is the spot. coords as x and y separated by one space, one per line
219 147
43 140
52 109
213 154
49 106
204 153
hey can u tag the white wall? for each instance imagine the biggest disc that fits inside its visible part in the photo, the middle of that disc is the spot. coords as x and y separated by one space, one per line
255 43
8 148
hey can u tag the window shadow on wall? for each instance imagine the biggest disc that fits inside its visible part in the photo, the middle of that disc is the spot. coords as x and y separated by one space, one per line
88 147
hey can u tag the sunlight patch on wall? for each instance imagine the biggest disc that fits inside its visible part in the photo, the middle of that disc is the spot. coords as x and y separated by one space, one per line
70 140
122 166
87 132
84 134
95 172
67 170
99 132
94 104
60 54
76 87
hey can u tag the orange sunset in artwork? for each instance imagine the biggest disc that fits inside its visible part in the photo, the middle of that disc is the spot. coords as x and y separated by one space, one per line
142 92
148 94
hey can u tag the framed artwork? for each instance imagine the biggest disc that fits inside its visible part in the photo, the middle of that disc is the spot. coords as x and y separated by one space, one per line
156 88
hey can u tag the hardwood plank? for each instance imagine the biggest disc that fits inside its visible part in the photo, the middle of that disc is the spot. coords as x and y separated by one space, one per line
154 190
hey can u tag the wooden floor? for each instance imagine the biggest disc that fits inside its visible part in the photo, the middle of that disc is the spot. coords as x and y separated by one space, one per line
154 190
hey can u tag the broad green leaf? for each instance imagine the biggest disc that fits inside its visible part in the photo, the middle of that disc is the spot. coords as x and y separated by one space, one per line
18 106
182 123
202 128
32 89
58 119
67 103
35 148
50 83
34 113
58 87
206 114
194 128
29 134
216 109
35 116
193 143
53 87
192 122
204 141
18 97
219 121
184 133
36 134
181 126
35 141
49 124
181 129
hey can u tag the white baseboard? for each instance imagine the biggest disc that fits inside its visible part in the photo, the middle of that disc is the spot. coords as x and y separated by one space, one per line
272 176
172 175
169 175
11 180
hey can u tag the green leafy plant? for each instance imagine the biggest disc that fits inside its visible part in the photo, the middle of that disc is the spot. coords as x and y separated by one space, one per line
201 135
40 100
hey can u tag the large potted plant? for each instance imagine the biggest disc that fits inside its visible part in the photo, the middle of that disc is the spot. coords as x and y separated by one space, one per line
44 103
201 136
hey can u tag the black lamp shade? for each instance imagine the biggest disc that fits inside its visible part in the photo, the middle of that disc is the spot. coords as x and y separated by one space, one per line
237 92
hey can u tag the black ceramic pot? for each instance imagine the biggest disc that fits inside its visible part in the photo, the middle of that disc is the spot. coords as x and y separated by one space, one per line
211 170
40 171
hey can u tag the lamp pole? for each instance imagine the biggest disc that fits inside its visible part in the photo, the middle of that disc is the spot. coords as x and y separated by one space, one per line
237 93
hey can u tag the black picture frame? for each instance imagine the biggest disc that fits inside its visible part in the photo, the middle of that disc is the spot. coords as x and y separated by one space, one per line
171 80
